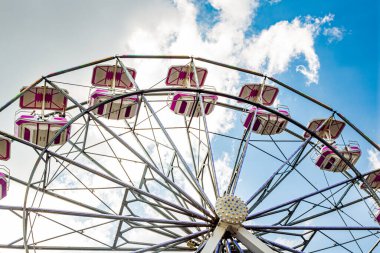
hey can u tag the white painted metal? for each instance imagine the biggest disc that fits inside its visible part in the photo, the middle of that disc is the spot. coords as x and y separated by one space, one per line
216 236
250 241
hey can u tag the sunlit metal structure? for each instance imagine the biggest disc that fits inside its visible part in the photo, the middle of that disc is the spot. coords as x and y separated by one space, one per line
138 170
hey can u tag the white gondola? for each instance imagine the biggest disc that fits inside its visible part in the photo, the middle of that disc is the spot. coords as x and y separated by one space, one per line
259 93
267 123
331 128
125 108
4 181
40 131
34 98
184 76
373 180
377 216
328 160
5 148
187 104
106 75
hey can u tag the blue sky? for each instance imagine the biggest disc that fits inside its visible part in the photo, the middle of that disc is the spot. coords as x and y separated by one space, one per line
348 76
349 69
349 79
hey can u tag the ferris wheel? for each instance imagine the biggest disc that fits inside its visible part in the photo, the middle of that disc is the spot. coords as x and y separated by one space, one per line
139 153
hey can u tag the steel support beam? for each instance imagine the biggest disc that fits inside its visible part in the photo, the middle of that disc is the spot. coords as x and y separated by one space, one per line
250 241
215 238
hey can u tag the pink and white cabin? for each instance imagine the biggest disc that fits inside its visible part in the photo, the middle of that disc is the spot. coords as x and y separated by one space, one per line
4 182
181 75
328 160
125 108
34 98
331 130
3 185
377 216
187 104
373 180
5 149
267 123
103 76
252 93
40 132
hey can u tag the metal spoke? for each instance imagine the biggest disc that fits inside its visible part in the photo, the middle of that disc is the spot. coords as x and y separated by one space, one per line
240 156
308 195
313 228
211 156
265 186
181 239
104 216
132 150
131 177
199 188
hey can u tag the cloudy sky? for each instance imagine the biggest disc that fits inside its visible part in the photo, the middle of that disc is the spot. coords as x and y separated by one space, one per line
326 49
316 47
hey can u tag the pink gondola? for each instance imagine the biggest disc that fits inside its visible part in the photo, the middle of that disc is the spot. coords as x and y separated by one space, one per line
34 97
252 93
377 216
181 75
4 182
41 131
125 108
328 160
331 129
187 104
267 123
373 180
5 148
104 75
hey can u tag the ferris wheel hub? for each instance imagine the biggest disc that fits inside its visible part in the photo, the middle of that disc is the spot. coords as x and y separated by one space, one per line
231 209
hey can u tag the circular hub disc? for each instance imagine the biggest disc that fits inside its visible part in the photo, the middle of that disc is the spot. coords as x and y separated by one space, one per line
231 209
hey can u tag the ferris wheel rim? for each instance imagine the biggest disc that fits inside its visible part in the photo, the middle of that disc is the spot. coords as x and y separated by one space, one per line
225 95
198 91
142 92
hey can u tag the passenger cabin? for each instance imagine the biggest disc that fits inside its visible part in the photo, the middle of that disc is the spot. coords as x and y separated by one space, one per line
328 160
4 181
187 104
373 180
377 216
327 128
267 123
38 97
183 76
41 131
125 108
5 148
104 76
258 93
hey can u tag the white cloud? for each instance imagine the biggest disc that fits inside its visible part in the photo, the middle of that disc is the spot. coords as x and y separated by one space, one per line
180 34
223 171
270 51
374 158
236 14
274 1
333 34
273 50
288 242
